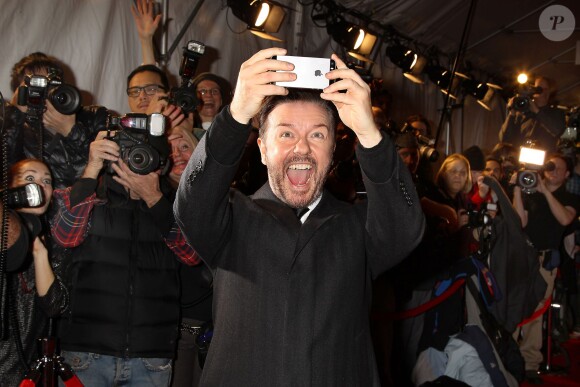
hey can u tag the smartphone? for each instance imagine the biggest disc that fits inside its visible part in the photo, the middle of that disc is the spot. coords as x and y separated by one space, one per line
309 71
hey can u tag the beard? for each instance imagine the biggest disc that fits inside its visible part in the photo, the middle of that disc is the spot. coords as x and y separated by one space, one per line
286 192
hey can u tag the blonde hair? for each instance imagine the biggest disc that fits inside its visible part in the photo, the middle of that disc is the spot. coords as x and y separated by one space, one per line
186 134
439 179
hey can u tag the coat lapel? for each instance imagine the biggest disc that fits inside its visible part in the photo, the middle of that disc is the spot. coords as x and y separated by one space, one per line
266 199
325 211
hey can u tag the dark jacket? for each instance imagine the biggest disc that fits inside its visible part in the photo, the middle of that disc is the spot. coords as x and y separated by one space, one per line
545 128
291 303
66 156
124 283
28 313
514 264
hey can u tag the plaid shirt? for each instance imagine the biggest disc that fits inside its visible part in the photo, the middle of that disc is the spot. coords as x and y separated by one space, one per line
70 226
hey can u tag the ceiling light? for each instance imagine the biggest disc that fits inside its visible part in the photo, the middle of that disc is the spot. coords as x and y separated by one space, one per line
363 48
441 77
408 60
482 92
346 34
262 17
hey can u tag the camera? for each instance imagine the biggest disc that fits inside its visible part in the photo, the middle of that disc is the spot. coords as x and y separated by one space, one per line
185 96
528 179
533 159
26 196
522 100
426 149
142 142
481 218
65 98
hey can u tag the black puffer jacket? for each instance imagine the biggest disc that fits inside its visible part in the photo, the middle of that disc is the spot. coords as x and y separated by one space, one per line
66 156
124 283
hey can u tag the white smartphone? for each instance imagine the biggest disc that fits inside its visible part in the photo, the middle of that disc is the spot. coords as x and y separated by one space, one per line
309 71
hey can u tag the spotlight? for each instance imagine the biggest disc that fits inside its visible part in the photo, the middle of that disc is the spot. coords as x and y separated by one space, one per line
482 92
441 77
409 61
522 78
365 48
261 17
351 36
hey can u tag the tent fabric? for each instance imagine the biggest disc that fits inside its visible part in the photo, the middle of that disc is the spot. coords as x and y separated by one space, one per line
98 42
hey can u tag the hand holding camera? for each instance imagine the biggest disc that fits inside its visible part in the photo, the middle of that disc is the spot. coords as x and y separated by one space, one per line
39 89
141 140
139 187
101 149
56 122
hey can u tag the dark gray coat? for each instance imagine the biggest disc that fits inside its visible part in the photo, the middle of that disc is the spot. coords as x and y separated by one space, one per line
291 301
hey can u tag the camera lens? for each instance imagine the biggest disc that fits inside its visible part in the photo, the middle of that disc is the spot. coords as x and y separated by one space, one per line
527 179
142 159
65 98
186 99
429 153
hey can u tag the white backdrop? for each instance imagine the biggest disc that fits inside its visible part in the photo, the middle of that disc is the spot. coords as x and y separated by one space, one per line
97 40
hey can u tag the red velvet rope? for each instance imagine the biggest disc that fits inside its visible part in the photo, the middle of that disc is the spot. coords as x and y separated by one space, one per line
537 313
421 308
414 312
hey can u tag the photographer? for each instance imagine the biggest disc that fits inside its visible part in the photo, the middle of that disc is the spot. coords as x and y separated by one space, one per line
60 140
539 121
420 126
34 291
545 215
124 287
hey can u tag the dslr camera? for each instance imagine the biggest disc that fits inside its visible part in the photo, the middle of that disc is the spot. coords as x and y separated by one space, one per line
26 196
533 159
481 218
521 102
65 98
528 178
426 144
185 96
142 142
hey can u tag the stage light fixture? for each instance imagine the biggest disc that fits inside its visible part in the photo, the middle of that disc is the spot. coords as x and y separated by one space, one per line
482 92
441 77
365 47
351 36
262 17
409 61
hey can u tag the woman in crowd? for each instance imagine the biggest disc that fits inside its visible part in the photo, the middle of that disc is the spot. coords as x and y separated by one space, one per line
35 293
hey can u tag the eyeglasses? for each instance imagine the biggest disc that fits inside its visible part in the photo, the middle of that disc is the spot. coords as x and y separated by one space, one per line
210 91
134 92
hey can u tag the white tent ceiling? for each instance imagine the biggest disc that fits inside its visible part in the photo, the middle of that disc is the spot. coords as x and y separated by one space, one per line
98 42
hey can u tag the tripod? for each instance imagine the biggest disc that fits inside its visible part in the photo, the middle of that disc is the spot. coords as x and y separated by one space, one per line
47 365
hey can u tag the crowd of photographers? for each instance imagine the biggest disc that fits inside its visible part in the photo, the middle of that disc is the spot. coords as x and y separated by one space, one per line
108 228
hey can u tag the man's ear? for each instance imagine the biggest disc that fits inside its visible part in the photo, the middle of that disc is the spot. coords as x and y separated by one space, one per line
262 146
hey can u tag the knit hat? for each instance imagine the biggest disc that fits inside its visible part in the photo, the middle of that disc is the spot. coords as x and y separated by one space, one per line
476 158
406 140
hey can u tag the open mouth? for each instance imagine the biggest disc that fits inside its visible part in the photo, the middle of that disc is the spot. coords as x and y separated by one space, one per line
299 174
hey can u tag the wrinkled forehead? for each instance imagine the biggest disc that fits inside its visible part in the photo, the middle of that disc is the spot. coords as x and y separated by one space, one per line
296 113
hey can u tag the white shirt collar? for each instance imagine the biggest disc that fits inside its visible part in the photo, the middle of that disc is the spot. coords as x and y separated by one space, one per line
311 208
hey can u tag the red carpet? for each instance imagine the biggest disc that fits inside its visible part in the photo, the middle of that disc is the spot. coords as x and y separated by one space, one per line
563 377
